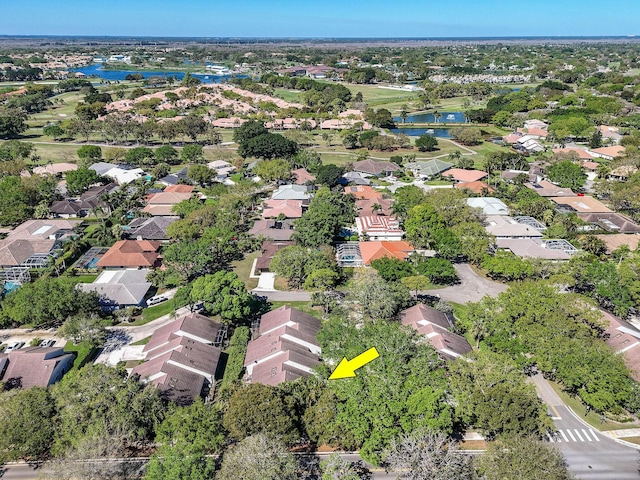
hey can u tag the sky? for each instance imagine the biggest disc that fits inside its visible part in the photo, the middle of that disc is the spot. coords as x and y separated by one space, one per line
321 18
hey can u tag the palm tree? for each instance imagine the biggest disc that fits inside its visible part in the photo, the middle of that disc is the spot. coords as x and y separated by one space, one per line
404 113
376 208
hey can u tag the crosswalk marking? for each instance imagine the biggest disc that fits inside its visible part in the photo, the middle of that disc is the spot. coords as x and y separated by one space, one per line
573 435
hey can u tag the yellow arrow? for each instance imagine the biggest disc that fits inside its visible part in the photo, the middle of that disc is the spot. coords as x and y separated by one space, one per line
347 368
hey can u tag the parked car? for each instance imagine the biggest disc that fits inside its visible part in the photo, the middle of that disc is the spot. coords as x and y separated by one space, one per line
155 300
14 346
49 342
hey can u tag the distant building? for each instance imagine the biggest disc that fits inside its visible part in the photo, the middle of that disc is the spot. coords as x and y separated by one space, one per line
374 250
379 227
273 229
489 205
376 168
120 288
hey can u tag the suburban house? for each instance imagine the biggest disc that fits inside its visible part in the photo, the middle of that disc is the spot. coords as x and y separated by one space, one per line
144 228
373 250
374 206
363 192
379 227
511 175
161 204
293 192
66 209
131 254
272 229
355 178
579 204
461 175
477 187
34 242
92 197
547 249
301 176
608 153
376 168
223 169
120 288
286 208
34 366
504 226
180 188
175 178
625 340
581 153
611 133
622 173
489 205
269 250
182 358
545 188
610 222
286 348
616 240
55 169
428 169
435 326
121 174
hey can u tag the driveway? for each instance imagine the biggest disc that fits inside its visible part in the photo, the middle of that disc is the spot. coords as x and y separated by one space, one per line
472 287
266 281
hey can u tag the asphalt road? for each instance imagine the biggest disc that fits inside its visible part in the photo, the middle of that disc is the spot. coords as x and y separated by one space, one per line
472 287
589 454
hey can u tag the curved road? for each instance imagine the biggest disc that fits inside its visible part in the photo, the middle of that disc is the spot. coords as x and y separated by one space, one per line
472 287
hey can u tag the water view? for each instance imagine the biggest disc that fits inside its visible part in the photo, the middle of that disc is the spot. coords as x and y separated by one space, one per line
416 132
96 70
443 117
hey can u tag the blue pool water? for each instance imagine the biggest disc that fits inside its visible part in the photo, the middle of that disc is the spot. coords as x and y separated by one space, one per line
10 287
444 117
416 132
92 263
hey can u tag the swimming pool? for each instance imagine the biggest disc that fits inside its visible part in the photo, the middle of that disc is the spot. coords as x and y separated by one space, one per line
92 263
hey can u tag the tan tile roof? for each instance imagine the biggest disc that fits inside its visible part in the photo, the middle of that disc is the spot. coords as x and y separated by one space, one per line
181 188
475 187
582 204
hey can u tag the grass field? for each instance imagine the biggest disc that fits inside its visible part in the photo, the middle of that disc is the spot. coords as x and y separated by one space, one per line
302 306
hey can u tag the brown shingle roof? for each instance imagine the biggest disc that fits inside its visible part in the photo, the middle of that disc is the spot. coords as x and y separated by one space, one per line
37 367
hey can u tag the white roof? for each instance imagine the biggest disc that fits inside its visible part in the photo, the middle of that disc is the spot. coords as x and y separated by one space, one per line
489 205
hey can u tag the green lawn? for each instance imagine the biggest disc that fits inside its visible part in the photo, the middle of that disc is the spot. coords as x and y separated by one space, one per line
243 269
84 354
302 306
288 95
144 341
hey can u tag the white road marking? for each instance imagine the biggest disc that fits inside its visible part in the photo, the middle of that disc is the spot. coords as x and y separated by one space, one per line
594 435
571 435
586 435
578 434
550 438
564 436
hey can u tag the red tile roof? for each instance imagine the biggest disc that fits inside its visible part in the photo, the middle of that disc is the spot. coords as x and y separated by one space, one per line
475 187
131 253
363 192
373 250
181 188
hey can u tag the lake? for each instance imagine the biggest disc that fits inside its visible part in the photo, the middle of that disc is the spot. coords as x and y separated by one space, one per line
416 132
445 117
119 75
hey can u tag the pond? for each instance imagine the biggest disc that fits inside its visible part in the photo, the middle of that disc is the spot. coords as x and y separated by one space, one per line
416 132
96 70
445 117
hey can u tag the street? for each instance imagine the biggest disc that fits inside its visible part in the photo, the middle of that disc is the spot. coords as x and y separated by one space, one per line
590 454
